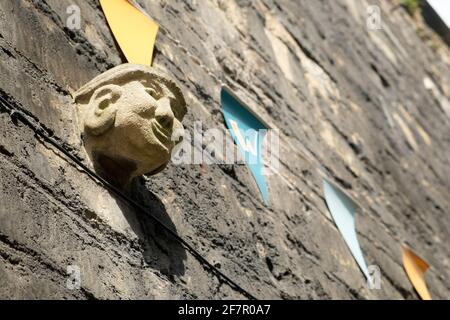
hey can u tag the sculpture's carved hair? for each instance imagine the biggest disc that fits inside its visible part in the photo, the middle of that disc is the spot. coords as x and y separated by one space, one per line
126 73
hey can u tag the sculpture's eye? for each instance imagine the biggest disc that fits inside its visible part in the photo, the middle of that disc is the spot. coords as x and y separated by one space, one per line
153 93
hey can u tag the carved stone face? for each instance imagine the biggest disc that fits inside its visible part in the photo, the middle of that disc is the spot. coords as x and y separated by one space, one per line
130 117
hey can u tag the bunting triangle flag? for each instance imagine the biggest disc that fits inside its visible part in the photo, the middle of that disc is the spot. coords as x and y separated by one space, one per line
248 133
133 30
343 211
415 268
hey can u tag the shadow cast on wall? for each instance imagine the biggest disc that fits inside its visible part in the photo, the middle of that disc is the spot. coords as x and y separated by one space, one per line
161 250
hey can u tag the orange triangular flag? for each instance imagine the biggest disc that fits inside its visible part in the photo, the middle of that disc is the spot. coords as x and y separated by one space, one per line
134 31
415 268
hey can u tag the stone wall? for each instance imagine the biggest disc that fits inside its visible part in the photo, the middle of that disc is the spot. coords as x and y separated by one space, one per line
349 102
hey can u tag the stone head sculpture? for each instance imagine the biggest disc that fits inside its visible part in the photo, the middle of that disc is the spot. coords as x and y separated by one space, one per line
130 118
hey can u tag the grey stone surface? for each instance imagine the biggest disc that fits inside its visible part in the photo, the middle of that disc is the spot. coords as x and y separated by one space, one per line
349 102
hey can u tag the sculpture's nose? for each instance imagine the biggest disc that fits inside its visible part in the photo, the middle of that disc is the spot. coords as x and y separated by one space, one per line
164 114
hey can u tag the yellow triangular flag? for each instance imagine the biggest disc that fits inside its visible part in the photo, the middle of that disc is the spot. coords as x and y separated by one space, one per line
133 30
415 268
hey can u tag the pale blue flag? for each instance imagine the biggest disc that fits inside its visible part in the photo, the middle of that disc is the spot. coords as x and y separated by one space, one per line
343 211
